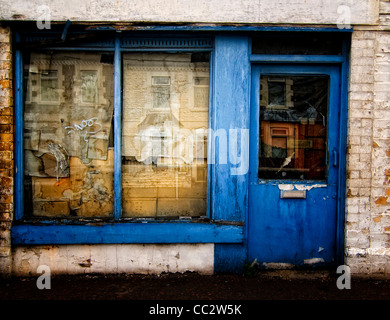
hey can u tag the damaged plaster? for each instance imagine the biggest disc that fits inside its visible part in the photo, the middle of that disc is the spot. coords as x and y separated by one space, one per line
131 258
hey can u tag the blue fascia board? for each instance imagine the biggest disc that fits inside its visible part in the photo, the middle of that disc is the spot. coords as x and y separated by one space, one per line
126 233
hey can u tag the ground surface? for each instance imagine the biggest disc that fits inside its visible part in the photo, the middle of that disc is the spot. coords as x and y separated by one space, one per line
275 285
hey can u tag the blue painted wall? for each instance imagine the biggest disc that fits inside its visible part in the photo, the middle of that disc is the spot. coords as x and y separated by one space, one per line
230 111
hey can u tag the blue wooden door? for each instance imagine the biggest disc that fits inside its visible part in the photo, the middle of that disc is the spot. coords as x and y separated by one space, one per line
293 177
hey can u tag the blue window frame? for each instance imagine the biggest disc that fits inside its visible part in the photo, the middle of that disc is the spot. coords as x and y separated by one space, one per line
49 231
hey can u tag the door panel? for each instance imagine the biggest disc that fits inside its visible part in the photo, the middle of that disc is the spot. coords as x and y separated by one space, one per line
293 164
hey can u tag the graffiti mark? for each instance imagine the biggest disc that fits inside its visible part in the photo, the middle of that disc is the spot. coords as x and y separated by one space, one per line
85 125
62 158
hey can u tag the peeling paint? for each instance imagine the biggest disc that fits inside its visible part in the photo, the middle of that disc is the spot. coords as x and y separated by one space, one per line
286 187
278 265
313 261
300 187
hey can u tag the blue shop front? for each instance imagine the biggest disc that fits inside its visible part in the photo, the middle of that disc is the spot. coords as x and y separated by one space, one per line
230 136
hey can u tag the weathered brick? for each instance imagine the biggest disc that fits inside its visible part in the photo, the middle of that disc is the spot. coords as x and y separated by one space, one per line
6 149
6 137
7 111
6 128
7 145
6 211
6 120
6 164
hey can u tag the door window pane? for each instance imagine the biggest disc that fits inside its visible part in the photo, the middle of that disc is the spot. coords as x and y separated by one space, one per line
293 127
68 159
164 134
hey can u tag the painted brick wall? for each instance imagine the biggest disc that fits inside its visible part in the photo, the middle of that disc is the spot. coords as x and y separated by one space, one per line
368 184
6 149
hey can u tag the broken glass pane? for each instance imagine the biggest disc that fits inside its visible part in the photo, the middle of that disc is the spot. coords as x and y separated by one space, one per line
293 127
164 135
68 161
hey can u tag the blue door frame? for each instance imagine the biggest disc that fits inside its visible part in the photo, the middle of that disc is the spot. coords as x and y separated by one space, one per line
296 231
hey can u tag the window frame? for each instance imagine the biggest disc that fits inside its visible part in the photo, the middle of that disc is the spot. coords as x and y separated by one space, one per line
116 230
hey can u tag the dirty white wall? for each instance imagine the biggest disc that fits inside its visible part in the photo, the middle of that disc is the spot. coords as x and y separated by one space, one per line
110 258
210 11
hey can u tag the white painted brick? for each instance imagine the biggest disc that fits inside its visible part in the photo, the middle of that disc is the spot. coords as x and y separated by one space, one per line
365 191
354 140
362 43
382 77
384 7
359 183
360 113
361 87
352 209
361 34
354 174
357 239
361 95
361 78
382 95
365 174
356 165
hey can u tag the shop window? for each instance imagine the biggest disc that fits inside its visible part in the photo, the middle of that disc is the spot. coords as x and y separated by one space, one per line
69 152
68 161
163 152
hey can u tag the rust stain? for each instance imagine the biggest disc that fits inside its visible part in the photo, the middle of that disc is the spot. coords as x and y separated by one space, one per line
388 152
381 200
5 84
387 229
18 16
375 145
377 219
